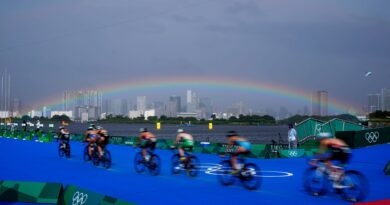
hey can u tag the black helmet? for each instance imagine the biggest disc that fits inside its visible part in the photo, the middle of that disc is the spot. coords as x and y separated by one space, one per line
231 134
143 130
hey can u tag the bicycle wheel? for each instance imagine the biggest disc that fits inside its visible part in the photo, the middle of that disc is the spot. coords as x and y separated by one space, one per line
224 173
315 182
95 157
175 164
61 152
355 186
192 166
107 159
154 165
248 176
139 164
86 155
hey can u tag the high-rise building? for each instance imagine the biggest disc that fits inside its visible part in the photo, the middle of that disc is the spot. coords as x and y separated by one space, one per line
192 101
159 108
5 93
207 105
83 102
320 103
115 107
374 102
385 102
141 103
174 106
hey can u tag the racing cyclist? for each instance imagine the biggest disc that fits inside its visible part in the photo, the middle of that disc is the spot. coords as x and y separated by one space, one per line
146 140
336 154
184 141
102 140
236 146
91 135
63 137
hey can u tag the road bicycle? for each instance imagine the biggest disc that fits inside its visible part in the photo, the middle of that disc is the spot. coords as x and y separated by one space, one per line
351 184
248 173
190 165
152 163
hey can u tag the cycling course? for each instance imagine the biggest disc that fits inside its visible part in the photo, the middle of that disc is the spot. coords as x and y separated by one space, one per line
281 181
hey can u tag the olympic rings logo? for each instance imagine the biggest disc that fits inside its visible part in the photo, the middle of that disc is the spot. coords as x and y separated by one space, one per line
79 198
372 137
292 153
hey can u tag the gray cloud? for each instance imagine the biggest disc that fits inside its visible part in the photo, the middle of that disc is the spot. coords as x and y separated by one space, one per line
52 46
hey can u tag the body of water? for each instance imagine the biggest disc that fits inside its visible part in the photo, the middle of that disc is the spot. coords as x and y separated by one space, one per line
256 134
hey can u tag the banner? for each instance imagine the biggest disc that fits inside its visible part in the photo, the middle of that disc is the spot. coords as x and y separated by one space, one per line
292 153
77 196
30 192
364 138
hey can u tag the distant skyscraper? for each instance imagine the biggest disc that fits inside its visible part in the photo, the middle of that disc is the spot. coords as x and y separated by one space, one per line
141 103
83 102
174 106
5 94
385 99
159 108
374 102
116 107
320 103
192 101
207 105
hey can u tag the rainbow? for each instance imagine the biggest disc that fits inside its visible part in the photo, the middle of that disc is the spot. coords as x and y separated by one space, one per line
210 83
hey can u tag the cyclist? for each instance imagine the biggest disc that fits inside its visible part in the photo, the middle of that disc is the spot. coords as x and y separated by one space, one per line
102 139
184 141
336 150
63 136
91 135
146 140
236 146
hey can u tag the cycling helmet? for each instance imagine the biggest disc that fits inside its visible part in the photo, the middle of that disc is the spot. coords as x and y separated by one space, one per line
180 130
143 130
99 127
90 128
61 128
231 134
324 135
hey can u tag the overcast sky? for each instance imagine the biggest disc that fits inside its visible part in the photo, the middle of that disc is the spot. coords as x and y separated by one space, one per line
52 46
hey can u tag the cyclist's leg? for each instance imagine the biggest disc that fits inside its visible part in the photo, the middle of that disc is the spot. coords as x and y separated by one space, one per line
152 147
91 142
233 160
181 153
100 149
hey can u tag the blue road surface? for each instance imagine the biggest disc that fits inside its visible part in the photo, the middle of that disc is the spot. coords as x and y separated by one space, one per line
281 181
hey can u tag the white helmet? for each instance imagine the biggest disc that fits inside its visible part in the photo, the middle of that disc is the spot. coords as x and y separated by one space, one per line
180 130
